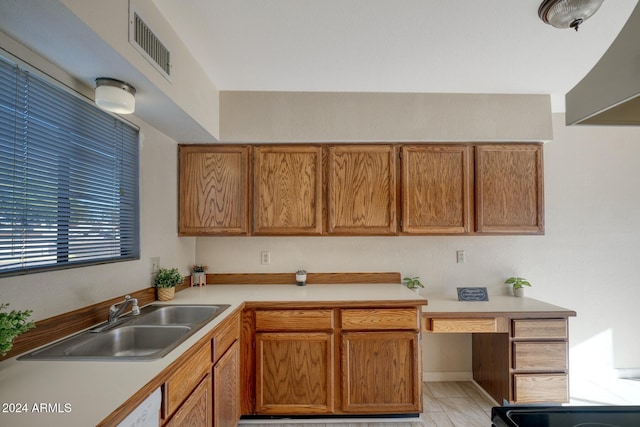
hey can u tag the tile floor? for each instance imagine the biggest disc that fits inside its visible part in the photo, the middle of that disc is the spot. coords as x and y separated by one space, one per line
462 404
446 404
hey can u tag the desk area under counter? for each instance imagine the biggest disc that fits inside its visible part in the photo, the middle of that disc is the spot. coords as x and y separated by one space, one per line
519 345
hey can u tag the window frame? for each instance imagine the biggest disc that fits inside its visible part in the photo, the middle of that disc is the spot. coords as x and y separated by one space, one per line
121 199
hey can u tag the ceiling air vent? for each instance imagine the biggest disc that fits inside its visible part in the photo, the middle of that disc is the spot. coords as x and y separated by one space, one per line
149 45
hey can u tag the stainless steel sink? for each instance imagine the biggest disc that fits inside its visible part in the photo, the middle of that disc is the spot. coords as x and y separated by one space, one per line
131 341
180 315
151 335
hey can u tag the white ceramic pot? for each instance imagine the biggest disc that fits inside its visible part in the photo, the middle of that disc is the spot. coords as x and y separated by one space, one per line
518 292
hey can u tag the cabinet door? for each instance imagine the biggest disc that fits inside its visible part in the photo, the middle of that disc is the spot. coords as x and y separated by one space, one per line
361 186
380 372
294 373
226 389
196 410
213 190
287 190
185 379
435 189
509 189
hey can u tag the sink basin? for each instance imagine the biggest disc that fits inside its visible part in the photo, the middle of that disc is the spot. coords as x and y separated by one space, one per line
151 335
180 315
131 341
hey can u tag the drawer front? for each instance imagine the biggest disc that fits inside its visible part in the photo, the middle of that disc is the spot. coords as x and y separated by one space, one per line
540 388
540 328
226 333
464 325
294 320
380 319
186 378
540 356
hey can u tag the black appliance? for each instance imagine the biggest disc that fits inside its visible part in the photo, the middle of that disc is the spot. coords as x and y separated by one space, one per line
565 416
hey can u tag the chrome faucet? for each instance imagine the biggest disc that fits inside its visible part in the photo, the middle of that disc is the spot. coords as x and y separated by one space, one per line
116 310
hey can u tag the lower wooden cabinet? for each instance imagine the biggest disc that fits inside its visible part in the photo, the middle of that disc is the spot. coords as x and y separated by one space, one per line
363 360
179 387
205 388
196 410
540 363
536 388
294 373
380 372
226 388
527 365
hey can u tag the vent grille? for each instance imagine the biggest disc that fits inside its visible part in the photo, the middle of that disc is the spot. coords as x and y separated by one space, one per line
146 40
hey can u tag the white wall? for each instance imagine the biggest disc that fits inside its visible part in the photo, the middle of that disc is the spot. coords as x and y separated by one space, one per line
585 261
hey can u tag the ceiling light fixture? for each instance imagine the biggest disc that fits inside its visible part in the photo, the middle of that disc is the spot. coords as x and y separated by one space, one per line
567 13
115 95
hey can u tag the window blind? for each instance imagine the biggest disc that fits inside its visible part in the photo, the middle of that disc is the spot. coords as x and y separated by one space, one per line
68 178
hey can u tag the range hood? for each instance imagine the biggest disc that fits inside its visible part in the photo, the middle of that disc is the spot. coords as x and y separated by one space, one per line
610 93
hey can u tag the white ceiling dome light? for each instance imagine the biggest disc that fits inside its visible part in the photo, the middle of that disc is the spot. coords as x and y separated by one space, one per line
115 95
567 13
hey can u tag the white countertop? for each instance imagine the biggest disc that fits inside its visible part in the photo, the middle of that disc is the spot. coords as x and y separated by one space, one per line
497 304
83 393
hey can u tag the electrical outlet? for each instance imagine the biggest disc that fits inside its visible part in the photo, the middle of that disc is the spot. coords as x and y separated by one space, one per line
155 264
265 257
460 257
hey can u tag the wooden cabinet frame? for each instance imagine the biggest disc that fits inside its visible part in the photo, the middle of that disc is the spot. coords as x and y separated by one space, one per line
213 190
509 189
436 189
361 189
287 190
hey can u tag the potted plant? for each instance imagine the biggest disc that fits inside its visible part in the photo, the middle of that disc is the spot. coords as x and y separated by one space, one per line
518 285
413 283
12 324
198 276
165 281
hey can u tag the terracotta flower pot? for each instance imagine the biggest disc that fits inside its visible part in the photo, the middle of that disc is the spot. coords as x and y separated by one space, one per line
166 294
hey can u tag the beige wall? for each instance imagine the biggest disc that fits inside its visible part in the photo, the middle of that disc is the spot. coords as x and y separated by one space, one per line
586 261
321 116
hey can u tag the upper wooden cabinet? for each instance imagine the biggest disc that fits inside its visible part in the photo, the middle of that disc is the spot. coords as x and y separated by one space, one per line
287 197
509 189
436 189
353 190
361 189
213 190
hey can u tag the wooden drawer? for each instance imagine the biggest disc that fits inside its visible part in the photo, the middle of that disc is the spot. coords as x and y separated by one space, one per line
226 333
380 318
185 379
196 410
540 328
294 320
540 356
540 388
449 326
